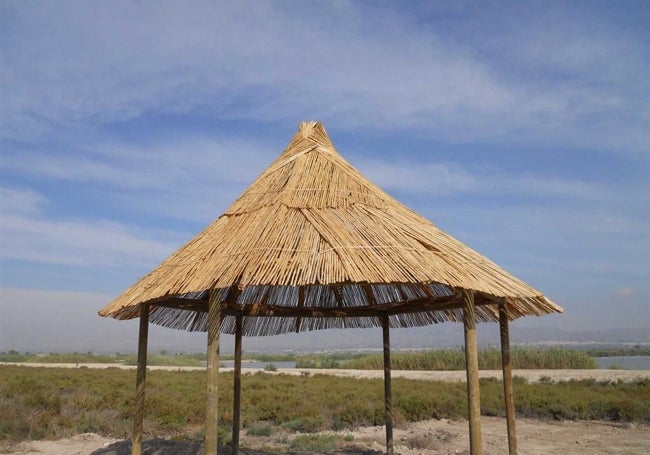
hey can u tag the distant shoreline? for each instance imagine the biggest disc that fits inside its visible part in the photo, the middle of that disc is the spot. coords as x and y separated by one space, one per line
447 376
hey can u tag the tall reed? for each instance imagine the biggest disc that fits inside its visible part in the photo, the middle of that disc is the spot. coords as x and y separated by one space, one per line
489 359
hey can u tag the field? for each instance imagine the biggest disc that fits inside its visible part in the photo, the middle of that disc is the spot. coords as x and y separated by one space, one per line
51 403
304 411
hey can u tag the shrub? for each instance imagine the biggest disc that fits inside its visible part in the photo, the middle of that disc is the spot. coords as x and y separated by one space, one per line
38 403
260 430
313 443
489 359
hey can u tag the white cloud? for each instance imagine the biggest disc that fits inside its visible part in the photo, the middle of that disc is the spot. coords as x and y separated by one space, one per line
174 163
13 200
626 293
532 185
85 85
356 66
31 236
433 178
451 179
189 178
84 243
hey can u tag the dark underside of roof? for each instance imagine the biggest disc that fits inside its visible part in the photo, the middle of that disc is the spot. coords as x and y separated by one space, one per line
273 310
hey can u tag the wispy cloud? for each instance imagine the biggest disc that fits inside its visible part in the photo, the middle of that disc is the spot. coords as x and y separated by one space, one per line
379 69
21 201
191 178
433 178
31 236
153 166
117 118
452 179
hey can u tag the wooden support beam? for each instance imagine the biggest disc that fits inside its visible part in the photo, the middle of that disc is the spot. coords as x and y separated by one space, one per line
507 379
236 413
231 308
388 400
212 399
471 358
140 381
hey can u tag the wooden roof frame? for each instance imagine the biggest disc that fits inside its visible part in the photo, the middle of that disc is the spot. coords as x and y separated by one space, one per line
319 276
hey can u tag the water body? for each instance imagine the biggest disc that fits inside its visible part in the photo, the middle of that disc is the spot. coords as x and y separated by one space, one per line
244 364
640 362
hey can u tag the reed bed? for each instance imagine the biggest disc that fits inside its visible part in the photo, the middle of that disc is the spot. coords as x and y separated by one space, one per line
489 359
45 403
637 350
427 360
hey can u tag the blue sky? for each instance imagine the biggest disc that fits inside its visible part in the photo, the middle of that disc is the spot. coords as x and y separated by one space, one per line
521 128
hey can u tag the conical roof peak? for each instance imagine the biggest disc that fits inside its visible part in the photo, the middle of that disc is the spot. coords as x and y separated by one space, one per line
311 234
306 129
309 174
309 136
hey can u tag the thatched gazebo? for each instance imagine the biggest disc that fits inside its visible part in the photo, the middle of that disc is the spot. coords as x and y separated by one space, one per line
312 244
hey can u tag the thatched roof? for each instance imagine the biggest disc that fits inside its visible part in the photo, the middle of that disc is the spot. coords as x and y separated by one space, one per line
315 244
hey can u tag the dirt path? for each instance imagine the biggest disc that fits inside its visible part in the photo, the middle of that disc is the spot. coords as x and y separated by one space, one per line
422 438
460 376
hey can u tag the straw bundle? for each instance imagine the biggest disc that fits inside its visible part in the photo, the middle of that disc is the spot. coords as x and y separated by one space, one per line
313 244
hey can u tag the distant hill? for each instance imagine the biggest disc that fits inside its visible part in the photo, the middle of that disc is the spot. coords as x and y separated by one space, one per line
614 336
123 338
442 336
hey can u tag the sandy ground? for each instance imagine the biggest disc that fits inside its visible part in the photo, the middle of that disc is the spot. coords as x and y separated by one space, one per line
534 437
460 376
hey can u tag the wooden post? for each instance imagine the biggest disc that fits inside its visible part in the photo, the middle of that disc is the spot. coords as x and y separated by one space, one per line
140 381
388 402
471 358
507 379
237 387
212 402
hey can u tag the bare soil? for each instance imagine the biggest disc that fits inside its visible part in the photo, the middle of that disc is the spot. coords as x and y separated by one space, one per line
430 437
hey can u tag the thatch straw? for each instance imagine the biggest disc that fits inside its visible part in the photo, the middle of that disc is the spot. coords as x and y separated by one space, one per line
313 244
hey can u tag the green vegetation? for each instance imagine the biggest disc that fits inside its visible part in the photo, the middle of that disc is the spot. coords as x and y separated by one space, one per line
260 430
266 358
489 359
38 403
443 359
619 352
162 358
313 443
324 361
52 357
